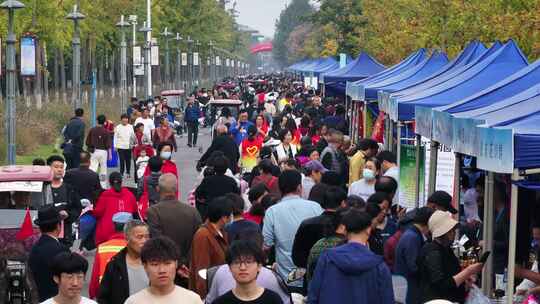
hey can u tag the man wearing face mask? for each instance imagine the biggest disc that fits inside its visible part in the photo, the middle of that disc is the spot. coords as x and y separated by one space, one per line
117 199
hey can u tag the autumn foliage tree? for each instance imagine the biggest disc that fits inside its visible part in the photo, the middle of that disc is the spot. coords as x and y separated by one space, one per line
390 30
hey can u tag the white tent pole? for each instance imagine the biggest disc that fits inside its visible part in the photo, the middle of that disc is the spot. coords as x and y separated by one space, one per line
512 242
417 172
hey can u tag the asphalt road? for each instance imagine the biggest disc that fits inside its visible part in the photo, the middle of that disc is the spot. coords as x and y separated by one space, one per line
186 159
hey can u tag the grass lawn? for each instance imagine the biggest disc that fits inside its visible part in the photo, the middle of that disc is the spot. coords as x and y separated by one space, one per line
43 151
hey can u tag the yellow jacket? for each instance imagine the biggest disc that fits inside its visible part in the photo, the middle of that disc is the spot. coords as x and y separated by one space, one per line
356 166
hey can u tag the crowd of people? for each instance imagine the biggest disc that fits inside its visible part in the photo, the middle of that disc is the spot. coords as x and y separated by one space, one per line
287 209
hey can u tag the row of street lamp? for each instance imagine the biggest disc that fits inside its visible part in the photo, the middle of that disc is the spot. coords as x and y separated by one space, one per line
216 64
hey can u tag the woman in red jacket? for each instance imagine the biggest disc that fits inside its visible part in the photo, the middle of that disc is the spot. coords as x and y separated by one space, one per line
116 199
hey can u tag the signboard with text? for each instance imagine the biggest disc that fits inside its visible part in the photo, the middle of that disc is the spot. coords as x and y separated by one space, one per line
28 56
496 150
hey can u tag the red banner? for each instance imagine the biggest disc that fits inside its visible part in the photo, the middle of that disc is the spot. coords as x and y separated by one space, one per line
261 47
378 128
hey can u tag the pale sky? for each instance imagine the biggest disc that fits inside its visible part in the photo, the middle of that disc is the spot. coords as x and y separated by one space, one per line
260 14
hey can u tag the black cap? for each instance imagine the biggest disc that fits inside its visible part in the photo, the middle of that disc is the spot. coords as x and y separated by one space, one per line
442 199
47 215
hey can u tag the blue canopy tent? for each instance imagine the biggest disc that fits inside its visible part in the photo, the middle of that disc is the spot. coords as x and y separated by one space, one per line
320 65
509 142
353 90
309 65
425 68
363 67
297 66
411 60
499 65
472 53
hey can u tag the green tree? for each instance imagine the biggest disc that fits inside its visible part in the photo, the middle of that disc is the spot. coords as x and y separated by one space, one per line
292 16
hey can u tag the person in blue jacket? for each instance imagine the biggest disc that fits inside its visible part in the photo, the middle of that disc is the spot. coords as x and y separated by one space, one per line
239 129
407 251
192 113
351 273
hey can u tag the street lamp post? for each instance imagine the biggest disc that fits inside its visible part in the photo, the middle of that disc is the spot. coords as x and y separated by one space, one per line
166 34
211 67
146 62
133 20
123 63
190 64
198 62
178 39
75 16
10 6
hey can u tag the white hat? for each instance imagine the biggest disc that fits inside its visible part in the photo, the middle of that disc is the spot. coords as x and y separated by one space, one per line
440 223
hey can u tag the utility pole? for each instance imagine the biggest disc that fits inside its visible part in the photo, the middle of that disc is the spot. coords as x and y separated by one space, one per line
211 68
198 62
123 64
133 20
10 6
166 34
149 47
190 65
178 39
146 62
75 16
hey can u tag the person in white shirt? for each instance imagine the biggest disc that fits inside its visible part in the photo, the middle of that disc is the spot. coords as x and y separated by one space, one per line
390 168
159 257
365 187
69 270
148 123
124 140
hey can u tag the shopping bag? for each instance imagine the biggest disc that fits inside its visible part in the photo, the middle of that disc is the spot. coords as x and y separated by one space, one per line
476 296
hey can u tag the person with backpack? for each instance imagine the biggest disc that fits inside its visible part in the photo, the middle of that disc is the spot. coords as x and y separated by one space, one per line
73 134
147 191
215 184
117 199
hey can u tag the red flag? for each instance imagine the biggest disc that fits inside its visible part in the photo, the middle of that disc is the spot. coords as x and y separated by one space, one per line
26 230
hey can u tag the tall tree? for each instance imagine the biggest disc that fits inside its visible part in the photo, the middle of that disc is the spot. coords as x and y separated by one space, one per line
292 16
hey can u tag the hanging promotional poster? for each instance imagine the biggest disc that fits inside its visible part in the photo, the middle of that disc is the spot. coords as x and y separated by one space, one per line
446 160
28 56
138 67
407 175
154 55
184 59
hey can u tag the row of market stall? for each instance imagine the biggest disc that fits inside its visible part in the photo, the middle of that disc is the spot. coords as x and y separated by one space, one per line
484 104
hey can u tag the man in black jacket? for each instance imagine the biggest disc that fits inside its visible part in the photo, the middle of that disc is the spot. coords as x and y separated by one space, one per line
44 250
84 180
215 185
313 229
73 139
124 274
224 143
64 197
